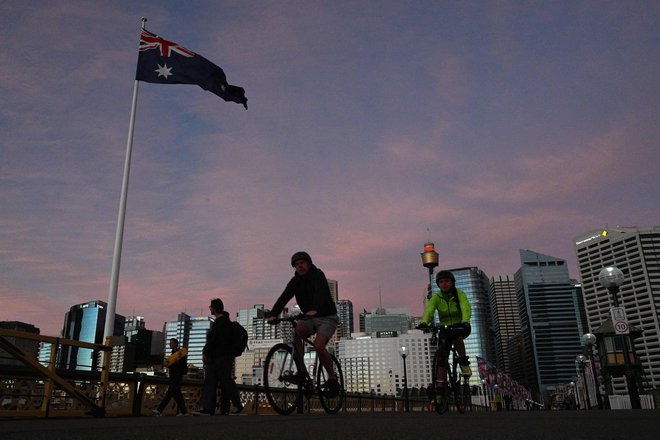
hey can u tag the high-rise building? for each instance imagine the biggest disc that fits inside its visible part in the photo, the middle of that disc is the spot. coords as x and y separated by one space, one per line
636 252
28 347
474 282
363 319
550 330
45 350
179 330
199 328
334 290
345 314
373 363
132 325
254 321
85 322
505 316
387 320
261 337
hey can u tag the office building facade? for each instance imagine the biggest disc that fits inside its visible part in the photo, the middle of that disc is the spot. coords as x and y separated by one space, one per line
373 363
345 314
85 322
505 317
28 347
636 252
474 282
550 333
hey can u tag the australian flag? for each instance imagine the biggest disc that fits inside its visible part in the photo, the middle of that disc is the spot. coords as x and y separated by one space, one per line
165 62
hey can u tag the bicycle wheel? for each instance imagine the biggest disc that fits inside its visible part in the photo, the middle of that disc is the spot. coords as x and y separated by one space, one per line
441 398
280 377
330 401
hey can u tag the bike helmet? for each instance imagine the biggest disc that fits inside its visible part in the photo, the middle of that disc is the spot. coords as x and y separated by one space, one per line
300 256
444 275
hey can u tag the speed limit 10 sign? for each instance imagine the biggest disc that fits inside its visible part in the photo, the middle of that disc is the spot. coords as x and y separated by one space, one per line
621 327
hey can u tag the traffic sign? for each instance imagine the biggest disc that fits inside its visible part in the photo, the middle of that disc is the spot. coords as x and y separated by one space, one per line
621 327
618 314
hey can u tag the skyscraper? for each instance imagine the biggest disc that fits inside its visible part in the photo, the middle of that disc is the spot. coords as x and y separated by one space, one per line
345 314
636 252
334 290
505 316
550 332
200 326
254 321
85 322
474 282
179 329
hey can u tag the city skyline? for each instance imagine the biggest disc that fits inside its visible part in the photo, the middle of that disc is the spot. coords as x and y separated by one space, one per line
485 128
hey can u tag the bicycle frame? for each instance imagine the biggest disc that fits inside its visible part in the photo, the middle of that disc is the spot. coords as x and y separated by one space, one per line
456 383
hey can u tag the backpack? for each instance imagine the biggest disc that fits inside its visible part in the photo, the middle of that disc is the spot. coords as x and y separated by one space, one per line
239 339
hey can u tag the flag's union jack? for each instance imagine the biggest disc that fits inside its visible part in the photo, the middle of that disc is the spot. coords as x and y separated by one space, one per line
150 41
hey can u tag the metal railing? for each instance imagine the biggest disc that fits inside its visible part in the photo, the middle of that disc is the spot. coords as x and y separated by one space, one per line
32 390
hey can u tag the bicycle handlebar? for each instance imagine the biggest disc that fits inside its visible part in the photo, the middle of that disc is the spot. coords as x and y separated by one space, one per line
290 319
435 328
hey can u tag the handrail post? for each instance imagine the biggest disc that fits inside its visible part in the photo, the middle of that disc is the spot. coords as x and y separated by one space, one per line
48 386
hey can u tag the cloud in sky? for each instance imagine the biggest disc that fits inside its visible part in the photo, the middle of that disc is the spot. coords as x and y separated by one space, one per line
495 127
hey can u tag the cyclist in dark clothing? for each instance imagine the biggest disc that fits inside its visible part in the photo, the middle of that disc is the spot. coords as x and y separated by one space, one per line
218 360
310 288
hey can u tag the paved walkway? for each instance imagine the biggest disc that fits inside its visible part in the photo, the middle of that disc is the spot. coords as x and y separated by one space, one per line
551 425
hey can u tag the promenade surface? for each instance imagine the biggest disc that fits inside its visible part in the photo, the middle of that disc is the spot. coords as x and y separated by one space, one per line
555 425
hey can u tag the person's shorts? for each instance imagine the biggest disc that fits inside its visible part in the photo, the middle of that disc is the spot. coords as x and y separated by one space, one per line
324 325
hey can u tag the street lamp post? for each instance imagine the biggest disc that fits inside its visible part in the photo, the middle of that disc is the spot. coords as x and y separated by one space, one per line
575 395
612 278
484 390
589 341
580 361
404 355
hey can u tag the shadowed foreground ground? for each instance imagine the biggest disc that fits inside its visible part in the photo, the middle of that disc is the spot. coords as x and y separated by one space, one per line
555 425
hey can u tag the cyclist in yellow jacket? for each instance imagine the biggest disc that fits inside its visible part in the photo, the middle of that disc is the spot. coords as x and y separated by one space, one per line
453 310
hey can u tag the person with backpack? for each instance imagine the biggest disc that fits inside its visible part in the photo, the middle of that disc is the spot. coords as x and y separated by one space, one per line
177 365
218 356
454 310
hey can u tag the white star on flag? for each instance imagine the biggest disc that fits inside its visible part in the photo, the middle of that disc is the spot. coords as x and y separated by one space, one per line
164 71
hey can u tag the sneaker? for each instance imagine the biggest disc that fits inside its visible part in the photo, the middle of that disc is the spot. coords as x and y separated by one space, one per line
291 377
157 413
201 412
466 370
183 414
331 388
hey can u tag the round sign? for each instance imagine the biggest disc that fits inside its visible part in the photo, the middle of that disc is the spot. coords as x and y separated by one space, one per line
621 327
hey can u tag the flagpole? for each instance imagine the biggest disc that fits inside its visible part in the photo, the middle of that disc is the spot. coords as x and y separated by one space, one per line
116 257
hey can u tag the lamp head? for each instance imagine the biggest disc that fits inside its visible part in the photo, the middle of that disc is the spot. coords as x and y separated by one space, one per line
588 339
611 277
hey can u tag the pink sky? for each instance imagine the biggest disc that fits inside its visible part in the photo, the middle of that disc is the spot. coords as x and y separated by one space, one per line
487 128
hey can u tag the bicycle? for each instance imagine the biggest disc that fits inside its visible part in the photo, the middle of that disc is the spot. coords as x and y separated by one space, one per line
457 388
285 385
